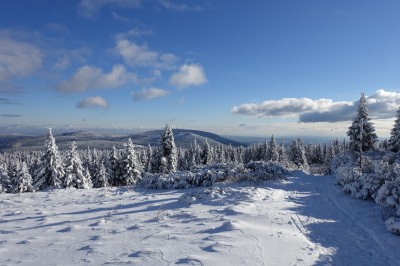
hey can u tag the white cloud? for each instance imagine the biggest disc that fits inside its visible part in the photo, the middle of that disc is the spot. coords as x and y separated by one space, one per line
95 101
136 55
121 18
188 75
148 94
56 28
89 77
133 33
18 59
382 105
171 5
91 8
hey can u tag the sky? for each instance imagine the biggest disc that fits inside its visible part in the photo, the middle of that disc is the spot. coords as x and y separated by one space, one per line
232 67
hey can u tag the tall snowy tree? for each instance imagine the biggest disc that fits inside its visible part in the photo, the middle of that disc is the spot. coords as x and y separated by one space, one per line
394 141
130 172
367 138
51 171
167 153
272 152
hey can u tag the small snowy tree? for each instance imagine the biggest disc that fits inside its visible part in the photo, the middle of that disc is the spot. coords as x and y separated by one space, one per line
367 138
101 177
87 181
51 171
273 153
5 182
130 172
74 176
206 154
23 181
394 141
113 169
298 154
149 159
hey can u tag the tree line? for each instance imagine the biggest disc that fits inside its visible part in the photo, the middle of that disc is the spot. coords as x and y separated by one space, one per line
25 171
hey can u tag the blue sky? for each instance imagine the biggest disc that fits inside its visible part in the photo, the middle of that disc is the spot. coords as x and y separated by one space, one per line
231 67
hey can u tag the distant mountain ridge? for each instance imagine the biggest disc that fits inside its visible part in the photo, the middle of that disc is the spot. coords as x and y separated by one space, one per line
183 138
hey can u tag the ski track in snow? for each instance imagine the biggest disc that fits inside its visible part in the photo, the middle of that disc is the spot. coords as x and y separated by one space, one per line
305 220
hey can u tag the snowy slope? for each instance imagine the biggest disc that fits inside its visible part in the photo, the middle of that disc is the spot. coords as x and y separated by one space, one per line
302 221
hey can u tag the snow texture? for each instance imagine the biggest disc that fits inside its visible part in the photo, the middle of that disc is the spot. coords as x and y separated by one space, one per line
302 220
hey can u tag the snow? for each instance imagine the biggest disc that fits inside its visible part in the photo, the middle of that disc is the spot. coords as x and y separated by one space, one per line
303 220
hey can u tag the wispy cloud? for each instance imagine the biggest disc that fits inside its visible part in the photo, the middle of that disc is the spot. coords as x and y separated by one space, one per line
121 18
136 55
10 89
18 58
188 75
133 33
10 115
7 101
148 94
175 6
55 27
91 8
89 77
95 101
382 105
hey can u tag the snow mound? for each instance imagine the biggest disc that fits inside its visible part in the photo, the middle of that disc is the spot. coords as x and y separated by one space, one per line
393 225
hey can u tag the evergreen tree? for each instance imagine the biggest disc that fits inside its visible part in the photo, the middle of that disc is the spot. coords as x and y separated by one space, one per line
23 180
87 181
394 140
5 182
298 154
74 171
273 154
206 155
51 171
101 177
130 171
149 159
283 157
113 169
367 138
167 153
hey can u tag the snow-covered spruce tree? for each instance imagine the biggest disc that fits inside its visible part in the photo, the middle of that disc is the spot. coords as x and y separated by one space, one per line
147 167
23 180
206 154
368 137
50 173
283 157
273 154
101 177
5 182
87 181
298 154
394 141
167 153
129 172
74 171
113 168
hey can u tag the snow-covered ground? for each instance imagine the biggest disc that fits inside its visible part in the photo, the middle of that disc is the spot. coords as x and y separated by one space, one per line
305 220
